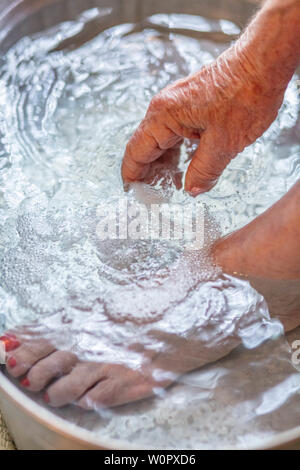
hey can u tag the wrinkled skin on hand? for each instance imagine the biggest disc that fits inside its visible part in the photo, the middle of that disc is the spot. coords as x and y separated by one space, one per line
227 105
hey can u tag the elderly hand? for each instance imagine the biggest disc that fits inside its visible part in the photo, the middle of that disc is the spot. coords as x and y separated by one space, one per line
227 105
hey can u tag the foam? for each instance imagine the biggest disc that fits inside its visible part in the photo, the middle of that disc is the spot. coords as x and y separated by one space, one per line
65 118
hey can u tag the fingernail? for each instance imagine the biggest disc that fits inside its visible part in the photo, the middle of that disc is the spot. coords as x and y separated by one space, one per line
11 362
46 398
25 382
126 187
196 191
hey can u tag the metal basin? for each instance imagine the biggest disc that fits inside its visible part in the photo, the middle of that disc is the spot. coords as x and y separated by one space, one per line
32 426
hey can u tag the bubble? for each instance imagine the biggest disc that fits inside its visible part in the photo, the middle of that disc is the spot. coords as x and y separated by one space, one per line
65 118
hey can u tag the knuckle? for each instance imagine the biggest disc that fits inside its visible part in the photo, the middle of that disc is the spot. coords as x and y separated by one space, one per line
208 172
157 103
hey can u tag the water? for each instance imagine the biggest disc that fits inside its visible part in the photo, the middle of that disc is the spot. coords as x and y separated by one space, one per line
65 118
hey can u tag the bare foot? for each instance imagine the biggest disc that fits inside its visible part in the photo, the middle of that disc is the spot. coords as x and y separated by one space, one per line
267 253
186 338
267 250
67 380
90 385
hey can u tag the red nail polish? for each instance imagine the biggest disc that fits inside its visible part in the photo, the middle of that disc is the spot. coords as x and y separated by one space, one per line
11 362
11 344
46 398
7 337
25 382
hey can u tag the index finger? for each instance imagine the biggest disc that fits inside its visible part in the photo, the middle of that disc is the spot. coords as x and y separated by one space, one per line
148 143
141 150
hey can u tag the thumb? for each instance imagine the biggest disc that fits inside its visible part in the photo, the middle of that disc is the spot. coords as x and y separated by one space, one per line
207 165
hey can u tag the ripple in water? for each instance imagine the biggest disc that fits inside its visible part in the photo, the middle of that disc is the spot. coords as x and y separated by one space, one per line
65 118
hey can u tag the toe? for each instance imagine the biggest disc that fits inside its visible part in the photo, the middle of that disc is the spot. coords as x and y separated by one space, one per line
114 392
71 387
10 342
21 359
44 371
103 394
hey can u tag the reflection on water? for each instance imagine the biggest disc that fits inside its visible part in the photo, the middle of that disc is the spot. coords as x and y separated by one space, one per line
66 114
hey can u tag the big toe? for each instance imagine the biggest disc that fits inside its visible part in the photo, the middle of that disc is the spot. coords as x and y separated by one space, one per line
113 392
122 385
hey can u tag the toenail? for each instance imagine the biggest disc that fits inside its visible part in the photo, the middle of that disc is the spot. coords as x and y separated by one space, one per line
7 336
11 362
9 343
25 382
46 398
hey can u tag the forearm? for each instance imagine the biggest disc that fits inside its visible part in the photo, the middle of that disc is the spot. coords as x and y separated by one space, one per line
271 43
